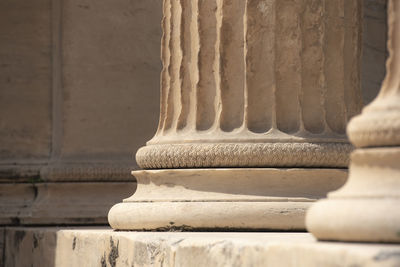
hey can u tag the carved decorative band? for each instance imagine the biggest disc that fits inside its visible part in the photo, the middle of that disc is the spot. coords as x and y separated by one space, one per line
244 155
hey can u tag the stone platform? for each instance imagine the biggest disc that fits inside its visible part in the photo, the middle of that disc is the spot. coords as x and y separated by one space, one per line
84 246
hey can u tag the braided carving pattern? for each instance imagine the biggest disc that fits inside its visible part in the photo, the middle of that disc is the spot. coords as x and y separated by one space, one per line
244 155
380 129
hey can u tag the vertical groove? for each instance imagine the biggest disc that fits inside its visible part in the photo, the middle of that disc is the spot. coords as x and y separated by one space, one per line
324 88
232 65
334 69
300 89
347 51
57 90
245 62
173 102
185 70
217 65
273 101
165 57
207 85
287 69
194 67
312 66
352 56
260 75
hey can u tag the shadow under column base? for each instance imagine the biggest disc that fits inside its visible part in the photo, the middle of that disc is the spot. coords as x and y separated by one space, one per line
224 199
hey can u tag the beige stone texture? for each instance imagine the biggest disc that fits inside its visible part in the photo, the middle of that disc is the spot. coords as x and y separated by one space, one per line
25 81
109 78
101 247
366 208
106 78
226 199
257 84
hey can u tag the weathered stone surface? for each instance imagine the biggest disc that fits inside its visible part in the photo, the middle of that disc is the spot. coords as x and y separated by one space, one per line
25 247
60 203
100 247
249 80
240 198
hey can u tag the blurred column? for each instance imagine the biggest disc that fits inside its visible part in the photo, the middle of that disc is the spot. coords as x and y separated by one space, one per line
366 208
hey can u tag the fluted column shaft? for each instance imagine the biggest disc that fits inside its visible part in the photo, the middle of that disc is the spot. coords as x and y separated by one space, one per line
248 84
366 208
269 83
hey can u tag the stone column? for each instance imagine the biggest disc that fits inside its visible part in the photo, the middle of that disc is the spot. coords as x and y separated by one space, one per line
248 86
366 208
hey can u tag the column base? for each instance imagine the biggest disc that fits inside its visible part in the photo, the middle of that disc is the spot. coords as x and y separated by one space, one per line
366 209
224 199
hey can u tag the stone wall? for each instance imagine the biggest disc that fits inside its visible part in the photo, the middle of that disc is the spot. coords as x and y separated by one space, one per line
79 80
79 93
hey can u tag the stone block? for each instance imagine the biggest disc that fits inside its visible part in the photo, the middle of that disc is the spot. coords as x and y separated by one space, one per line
58 247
